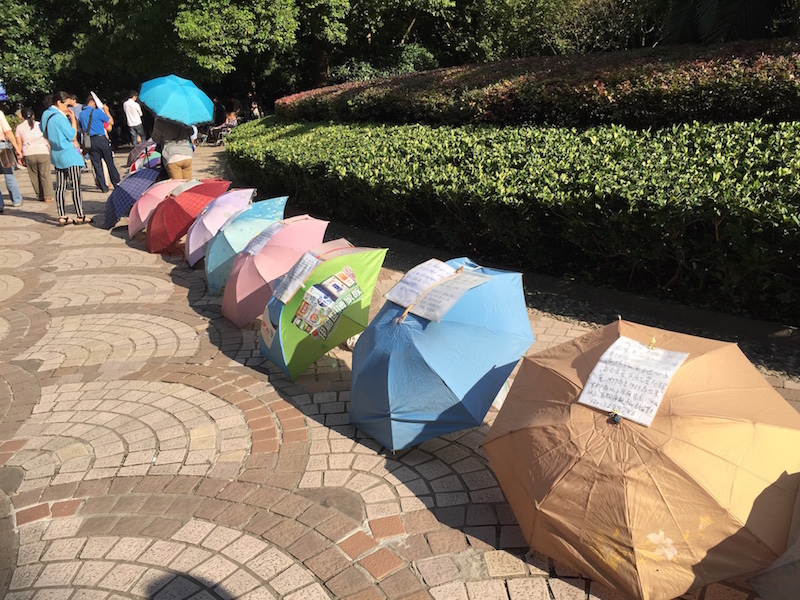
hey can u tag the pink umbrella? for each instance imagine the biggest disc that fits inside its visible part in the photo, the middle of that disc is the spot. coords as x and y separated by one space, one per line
147 202
211 220
267 257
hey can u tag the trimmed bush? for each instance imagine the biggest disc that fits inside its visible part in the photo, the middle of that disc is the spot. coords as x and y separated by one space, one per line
639 89
707 213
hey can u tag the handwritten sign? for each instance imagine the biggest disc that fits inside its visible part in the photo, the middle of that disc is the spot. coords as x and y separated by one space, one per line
432 288
258 242
292 281
631 379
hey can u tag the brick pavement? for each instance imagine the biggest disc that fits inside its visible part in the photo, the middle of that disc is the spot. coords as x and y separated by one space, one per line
148 451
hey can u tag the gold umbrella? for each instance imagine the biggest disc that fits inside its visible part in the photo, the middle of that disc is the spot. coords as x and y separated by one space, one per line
650 511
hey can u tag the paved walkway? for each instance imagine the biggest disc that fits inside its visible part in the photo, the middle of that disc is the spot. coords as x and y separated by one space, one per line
149 452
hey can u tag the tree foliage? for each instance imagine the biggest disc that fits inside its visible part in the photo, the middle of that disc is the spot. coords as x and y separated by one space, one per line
285 45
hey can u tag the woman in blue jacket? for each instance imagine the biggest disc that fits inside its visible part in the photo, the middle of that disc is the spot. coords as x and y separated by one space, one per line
58 124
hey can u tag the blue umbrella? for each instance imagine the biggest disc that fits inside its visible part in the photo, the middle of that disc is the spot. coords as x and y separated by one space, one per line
128 191
415 379
234 235
177 99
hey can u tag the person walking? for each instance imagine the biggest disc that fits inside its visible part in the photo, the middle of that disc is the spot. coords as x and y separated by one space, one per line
133 115
36 155
10 155
59 126
93 120
176 147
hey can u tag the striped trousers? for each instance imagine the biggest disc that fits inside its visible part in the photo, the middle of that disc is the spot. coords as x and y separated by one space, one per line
73 174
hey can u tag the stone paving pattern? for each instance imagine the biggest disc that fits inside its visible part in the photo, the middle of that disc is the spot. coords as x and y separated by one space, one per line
148 451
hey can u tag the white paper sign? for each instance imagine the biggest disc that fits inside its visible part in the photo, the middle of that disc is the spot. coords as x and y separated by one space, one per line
258 242
417 280
292 281
267 331
432 288
631 379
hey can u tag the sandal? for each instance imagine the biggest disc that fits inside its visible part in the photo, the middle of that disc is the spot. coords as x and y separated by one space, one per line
62 221
82 220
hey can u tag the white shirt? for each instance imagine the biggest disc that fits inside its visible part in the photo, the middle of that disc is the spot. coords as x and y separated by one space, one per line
133 112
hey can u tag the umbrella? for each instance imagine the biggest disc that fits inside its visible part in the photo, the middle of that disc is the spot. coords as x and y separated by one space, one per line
149 160
172 218
415 378
234 235
321 302
781 580
651 512
268 256
177 99
214 216
138 151
155 195
129 190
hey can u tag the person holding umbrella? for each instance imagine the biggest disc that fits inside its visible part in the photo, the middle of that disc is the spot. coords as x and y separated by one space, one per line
176 147
178 104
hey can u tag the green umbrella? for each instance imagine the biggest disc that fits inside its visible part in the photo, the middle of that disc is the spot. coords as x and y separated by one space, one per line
320 303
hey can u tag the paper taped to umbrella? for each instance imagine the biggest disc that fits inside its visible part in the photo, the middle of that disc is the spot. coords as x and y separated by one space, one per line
294 279
432 288
630 380
323 303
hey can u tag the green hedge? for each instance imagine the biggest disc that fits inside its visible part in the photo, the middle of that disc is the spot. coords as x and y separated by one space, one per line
707 214
640 89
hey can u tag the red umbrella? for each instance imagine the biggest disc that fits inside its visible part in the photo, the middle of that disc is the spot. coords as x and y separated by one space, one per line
172 218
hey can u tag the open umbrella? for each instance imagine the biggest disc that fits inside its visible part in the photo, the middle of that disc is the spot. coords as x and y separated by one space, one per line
138 151
149 160
234 235
321 302
177 99
415 378
155 195
698 496
129 190
172 218
214 216
268 256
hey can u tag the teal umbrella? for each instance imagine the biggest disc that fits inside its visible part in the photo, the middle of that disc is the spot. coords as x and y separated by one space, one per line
177 99
234 235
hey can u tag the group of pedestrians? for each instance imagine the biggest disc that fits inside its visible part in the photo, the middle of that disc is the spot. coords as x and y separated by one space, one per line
67 134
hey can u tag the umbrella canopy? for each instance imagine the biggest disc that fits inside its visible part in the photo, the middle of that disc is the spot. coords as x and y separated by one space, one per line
177 99
234 236
138 151
415 379
149 160
172 218
651 512
155 195
268 256
214 216
127 192
321 302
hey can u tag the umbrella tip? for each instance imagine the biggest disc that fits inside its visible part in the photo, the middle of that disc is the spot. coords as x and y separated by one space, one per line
652 343
614 417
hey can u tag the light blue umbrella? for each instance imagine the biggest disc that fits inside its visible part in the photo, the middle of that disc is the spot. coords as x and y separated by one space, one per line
177 99
234 235
415 379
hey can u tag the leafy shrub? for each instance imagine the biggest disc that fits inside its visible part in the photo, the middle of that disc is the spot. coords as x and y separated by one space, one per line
646 88
704 212
407 59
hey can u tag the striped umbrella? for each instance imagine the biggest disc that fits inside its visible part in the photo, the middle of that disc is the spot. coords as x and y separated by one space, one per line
172 218
128 191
